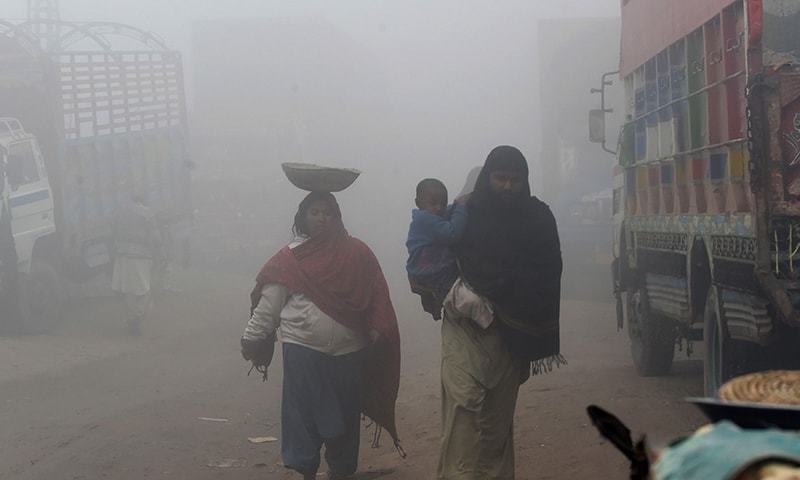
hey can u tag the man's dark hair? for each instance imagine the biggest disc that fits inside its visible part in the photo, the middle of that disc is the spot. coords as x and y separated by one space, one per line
299 227
430 183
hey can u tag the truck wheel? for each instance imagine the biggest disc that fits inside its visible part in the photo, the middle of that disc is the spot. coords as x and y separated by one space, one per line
724 357
652 337
41 299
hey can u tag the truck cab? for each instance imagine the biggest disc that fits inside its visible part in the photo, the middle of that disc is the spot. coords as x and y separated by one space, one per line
29 292
30 198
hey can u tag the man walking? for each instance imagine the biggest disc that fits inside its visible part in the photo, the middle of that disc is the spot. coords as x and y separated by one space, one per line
137 248
510 261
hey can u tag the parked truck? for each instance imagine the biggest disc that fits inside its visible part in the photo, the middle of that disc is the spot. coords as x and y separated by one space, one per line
706 198
84 127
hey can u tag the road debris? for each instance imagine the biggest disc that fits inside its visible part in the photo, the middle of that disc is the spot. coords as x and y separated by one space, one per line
229 463
261 439
209 419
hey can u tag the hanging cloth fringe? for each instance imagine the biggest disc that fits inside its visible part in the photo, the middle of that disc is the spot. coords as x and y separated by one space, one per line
377 433
262 369
546 365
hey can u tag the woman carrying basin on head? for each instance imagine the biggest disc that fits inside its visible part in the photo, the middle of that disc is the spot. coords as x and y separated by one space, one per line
326 295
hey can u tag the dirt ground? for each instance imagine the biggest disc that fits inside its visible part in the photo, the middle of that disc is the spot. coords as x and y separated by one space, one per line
89 402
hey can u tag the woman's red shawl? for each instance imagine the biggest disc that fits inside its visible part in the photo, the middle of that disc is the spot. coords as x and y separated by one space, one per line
341 275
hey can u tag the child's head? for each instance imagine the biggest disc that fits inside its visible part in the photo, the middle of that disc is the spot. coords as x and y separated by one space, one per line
432 196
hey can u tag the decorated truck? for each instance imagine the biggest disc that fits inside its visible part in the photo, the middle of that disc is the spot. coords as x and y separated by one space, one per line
706 197
83 125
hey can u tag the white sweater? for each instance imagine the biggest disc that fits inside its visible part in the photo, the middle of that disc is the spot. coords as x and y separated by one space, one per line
300 322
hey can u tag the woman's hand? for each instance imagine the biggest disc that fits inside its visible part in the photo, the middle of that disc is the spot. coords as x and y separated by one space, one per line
248 349
258 351
462 200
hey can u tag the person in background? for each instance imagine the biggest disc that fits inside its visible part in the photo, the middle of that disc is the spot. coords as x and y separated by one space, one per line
435 228
327 296
510 258
469 183
137 251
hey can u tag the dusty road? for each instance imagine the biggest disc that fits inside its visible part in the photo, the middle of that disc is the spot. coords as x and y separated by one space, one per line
87 402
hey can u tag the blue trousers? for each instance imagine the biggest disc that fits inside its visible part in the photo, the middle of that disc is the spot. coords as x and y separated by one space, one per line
321 406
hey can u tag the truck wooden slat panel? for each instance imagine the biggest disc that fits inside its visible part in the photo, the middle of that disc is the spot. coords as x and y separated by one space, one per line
71 90
153 60
143 107
168 108
643 38
122 82
120 92
702 109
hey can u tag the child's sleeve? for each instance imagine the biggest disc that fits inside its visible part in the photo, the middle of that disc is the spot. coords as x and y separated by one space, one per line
448 231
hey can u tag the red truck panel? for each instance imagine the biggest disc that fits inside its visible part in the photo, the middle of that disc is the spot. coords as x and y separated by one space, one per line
650 26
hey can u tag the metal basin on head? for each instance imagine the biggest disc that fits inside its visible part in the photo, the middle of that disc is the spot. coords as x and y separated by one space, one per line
317 178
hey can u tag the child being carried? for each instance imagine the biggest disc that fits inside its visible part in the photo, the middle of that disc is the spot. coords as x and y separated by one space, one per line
432 267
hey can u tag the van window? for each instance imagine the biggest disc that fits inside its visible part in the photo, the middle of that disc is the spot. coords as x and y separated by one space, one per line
21 169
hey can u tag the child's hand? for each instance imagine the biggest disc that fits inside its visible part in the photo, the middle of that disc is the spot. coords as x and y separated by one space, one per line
462 200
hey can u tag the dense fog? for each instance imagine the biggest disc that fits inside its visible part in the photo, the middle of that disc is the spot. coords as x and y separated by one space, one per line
400 90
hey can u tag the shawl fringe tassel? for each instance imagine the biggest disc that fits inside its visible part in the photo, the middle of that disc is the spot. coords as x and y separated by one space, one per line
377 433
546 365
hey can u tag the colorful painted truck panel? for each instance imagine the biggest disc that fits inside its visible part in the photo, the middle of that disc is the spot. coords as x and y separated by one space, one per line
708 182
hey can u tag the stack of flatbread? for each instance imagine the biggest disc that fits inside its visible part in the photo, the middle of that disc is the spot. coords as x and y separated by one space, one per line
777 387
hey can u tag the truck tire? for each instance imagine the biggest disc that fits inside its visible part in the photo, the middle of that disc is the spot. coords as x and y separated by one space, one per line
724 357
652 336
40 308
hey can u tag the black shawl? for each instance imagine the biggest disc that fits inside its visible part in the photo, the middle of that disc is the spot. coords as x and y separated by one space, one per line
510 253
